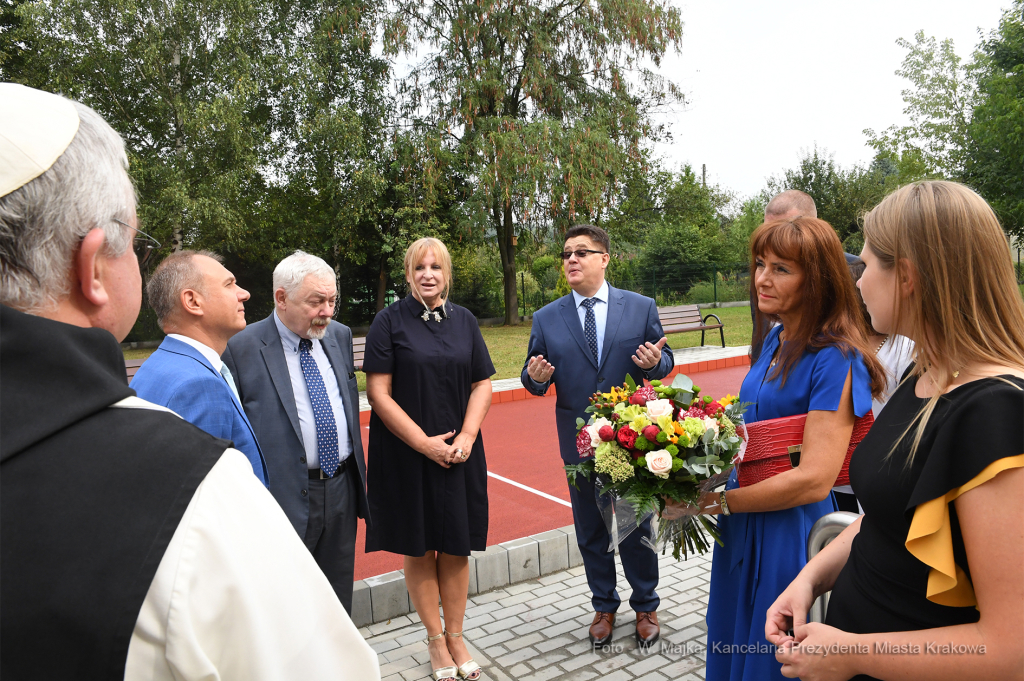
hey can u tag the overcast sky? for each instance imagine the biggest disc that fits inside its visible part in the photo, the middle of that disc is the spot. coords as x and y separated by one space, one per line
766 80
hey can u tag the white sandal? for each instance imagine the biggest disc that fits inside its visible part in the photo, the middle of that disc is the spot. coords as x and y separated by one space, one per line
470 668
444 673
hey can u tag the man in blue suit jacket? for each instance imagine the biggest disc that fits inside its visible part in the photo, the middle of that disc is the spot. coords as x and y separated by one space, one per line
200 307
595 336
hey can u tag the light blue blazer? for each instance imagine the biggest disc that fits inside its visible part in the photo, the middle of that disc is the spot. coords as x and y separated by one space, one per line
178 377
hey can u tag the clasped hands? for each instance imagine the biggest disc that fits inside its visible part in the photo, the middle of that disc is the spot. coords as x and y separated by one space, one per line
647 356
443 454
807 650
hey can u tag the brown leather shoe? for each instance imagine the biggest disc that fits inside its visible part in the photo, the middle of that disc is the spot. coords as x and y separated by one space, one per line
601 629
647 629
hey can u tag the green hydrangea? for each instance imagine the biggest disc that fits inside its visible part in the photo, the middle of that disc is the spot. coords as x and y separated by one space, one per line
612 460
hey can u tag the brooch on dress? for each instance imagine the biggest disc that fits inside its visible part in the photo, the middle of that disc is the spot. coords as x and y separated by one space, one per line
426 315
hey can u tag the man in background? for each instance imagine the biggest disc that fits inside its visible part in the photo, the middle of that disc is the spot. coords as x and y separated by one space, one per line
200 306
132 544
297 381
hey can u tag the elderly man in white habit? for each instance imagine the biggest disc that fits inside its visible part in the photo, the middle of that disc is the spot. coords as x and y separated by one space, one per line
131 542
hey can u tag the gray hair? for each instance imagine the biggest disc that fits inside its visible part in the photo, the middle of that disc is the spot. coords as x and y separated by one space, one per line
42 222
293 270
176 273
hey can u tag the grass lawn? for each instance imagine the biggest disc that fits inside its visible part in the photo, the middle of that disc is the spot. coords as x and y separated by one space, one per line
507 344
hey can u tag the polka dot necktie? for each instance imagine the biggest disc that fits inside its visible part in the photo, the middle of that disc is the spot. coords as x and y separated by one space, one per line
323 414
590 326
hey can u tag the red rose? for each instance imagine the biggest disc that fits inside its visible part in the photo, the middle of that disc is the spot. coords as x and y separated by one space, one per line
626 437
713 409
607 433
583 445
651 433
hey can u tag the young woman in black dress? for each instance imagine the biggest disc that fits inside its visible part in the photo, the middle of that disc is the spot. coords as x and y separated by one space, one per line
929 583
428 382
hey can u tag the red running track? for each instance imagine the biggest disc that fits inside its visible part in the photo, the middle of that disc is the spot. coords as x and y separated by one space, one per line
522 446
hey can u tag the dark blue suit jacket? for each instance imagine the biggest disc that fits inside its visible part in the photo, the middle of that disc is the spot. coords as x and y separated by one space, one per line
178 377
256 359
558 335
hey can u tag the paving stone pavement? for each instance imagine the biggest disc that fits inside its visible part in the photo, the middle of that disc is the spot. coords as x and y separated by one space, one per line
537 631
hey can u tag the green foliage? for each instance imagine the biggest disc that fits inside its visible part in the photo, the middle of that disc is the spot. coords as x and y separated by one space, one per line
534 102
995 162
939 103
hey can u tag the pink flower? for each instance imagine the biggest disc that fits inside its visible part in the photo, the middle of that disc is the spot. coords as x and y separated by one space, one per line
583 445
659 463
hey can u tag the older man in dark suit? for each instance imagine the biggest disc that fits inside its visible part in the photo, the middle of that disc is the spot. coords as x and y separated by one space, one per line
296 382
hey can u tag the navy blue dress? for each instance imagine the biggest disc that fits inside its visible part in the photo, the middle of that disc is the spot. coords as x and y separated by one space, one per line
416 505
764 552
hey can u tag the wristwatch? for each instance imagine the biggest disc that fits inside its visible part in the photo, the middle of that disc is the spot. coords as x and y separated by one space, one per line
724 504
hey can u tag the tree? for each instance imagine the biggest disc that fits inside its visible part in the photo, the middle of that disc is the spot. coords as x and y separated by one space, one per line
995 162
253 127
939 104
541 102
844 195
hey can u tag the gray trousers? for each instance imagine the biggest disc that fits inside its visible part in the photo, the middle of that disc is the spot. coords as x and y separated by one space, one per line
331 530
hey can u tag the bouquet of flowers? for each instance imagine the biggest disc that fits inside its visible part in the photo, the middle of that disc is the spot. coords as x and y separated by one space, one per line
656 442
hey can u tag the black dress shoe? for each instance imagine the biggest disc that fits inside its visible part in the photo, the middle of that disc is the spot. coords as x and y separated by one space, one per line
601 629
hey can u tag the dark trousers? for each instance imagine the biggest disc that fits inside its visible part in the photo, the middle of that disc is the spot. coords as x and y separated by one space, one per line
331 530
638 561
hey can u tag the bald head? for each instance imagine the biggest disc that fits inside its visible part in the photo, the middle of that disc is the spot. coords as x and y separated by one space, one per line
790 204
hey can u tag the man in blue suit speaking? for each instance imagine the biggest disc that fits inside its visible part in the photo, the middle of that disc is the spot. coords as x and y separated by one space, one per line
595 336
199 305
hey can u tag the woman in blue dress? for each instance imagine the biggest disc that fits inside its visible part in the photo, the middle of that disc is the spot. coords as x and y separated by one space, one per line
816 361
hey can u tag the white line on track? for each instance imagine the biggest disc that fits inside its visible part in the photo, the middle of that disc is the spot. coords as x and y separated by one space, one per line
529 489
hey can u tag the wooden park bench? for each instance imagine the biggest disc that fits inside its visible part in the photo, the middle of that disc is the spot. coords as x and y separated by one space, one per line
681 318
358 346
131 366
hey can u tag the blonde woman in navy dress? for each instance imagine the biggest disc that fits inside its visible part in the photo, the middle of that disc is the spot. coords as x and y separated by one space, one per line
428 382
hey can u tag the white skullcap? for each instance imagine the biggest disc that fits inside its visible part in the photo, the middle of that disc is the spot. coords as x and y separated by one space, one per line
35 129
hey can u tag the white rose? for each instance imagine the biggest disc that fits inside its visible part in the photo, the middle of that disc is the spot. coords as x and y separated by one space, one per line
659 463
711 424
594 428
656 408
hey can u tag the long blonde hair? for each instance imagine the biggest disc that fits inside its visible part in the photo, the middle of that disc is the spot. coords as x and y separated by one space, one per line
417 251
965 307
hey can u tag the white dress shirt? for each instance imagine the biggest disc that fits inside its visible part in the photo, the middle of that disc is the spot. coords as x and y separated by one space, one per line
209 353
307 422
237 595
600 314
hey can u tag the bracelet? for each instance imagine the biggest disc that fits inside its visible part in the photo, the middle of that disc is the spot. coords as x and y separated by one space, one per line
724 504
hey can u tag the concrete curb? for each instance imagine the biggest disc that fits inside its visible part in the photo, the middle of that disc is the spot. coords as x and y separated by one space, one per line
385 597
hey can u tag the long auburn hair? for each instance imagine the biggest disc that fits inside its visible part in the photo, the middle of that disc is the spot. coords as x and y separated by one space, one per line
831 314
965 307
